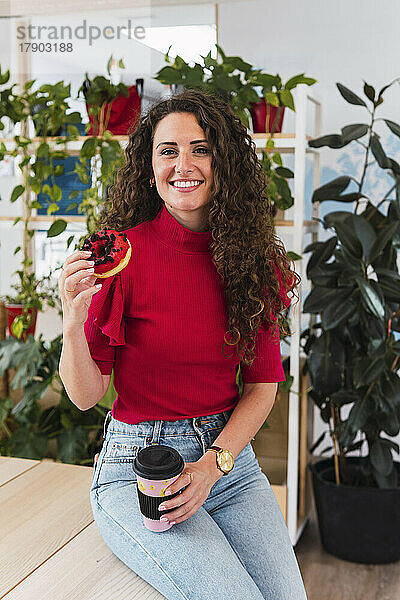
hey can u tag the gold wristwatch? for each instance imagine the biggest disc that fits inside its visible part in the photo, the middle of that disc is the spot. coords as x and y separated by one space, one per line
225 459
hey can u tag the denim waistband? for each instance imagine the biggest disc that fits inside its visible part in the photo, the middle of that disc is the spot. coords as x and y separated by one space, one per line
153 428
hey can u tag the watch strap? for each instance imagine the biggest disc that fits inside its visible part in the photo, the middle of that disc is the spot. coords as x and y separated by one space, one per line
217 450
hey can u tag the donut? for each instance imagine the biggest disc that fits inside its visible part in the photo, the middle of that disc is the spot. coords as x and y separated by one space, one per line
111 251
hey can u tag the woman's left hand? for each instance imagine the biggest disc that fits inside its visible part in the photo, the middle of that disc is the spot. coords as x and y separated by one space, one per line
196 493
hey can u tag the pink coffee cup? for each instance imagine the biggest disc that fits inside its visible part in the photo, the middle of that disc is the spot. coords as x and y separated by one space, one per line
156 467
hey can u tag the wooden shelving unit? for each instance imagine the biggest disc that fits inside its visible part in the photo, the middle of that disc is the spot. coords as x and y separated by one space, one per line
282 449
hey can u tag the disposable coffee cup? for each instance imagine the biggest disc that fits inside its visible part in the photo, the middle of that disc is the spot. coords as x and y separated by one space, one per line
156 467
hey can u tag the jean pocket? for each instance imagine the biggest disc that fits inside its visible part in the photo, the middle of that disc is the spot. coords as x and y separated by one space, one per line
120 452
115 465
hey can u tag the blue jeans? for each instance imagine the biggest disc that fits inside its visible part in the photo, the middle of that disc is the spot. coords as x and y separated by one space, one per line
236 546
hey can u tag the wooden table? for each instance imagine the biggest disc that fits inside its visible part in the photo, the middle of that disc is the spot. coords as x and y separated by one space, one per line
50 547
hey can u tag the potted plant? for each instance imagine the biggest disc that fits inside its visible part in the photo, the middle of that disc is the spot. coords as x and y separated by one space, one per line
225 77
267 113
111 107
235 80
23 306
353 362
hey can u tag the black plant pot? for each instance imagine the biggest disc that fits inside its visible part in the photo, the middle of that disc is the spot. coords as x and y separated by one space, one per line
359 524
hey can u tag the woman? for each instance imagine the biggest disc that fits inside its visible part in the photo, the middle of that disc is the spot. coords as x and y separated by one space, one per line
206 272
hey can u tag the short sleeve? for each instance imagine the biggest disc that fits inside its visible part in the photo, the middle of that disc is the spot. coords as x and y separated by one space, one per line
105 326
267 365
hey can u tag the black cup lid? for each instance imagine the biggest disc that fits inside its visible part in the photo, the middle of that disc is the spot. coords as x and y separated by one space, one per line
158 462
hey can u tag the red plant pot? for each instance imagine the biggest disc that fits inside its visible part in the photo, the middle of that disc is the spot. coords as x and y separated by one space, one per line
14 310
122 113
259 115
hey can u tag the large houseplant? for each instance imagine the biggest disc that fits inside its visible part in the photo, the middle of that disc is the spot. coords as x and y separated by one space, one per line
353 362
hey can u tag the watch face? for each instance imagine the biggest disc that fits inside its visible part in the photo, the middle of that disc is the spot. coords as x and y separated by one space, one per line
225 460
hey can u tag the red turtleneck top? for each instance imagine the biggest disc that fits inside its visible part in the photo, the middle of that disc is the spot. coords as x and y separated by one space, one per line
160 324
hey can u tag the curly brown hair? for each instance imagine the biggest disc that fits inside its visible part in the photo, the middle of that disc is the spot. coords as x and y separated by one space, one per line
251 260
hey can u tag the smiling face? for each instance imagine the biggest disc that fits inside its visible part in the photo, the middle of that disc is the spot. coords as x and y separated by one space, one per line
181 154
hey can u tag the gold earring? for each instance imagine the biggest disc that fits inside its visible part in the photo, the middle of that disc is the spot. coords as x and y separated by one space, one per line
152 182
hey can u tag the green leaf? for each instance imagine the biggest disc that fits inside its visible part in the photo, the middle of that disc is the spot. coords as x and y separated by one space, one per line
390 444
56 193
394 127
350 96
56 228
385 236
294 255
354 132
73 117
25 443
73 195
332 140
369 91
318 299
72 444
35 185
287 99
284 172
379 153
381 457
121 64
331 189
169 75
370 298
58 170
322 253
17 192
43 150
17 249
348 238
326 363
365 233
367 369
24 357
297 79
52 208
17 327
359 414
89 147
338 310
391 389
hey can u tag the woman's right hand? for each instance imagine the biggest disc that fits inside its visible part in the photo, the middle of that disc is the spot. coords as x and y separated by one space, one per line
76 285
